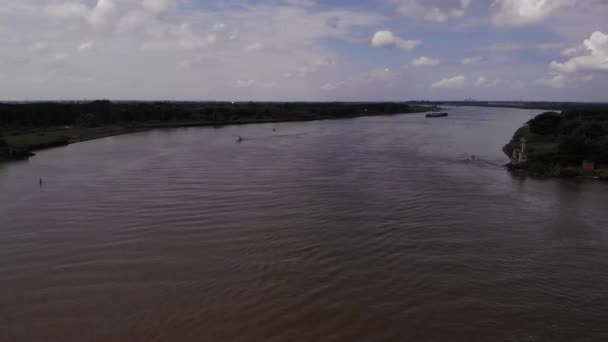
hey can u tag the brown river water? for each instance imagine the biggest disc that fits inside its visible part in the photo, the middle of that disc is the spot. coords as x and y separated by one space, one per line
367 229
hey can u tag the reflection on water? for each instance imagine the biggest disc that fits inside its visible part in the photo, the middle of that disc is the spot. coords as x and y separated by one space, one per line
375 229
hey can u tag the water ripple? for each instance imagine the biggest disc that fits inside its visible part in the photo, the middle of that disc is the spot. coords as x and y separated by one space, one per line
373 229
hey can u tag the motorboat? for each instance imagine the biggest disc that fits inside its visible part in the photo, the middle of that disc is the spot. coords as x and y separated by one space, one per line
436 115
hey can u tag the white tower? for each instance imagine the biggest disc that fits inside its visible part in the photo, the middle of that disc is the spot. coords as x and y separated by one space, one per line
523 156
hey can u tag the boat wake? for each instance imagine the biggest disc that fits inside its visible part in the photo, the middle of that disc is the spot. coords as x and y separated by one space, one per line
275 136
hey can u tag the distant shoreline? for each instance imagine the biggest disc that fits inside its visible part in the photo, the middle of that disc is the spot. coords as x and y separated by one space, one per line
153 126
22 144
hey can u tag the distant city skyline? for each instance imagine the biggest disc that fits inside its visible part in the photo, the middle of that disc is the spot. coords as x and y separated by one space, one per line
304 50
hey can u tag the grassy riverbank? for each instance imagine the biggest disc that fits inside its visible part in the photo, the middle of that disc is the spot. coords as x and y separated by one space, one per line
55 136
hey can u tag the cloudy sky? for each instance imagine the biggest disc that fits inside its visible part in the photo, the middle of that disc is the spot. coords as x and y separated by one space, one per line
304 49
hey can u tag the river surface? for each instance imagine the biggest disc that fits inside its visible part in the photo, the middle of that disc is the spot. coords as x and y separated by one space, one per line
367 229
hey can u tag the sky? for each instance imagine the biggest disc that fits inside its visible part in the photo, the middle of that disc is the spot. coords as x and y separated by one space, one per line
304 50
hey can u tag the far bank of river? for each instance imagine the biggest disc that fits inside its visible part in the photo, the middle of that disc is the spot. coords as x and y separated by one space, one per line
22 145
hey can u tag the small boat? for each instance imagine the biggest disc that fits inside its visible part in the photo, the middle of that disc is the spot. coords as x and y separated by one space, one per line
436 115
239 139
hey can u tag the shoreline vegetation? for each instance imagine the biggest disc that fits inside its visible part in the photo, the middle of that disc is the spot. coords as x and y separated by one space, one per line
555 106
572 143
28 127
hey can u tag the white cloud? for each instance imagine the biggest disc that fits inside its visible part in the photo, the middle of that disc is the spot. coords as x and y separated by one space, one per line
68 11
595 57
269 84
375 78
554 81
591 56
198 50
303 3
245 83
157 6
432 10
40 46
515 47
524 12
58 60
455 82
195 52
387 39
385 74
425 62
518 84
573 51
86 46
331 86
471 60
561 81
111 14
253 47
253 83
383 39
316 66
579 19
102 13
482 82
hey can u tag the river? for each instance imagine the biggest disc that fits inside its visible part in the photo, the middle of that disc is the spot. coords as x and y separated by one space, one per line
366 229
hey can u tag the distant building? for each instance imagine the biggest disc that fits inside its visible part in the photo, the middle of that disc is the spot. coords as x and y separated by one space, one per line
520 155
588 166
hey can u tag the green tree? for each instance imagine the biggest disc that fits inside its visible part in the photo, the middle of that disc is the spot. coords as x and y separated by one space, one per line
570 126
572 150
87 120
546 123
594 131
2 141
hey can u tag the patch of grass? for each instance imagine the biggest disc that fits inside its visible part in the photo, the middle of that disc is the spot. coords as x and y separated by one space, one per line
602 173
83 133
60 136
36 140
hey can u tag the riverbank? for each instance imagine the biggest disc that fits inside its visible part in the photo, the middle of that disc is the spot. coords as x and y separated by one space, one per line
31 139
557 171
22 145
570 144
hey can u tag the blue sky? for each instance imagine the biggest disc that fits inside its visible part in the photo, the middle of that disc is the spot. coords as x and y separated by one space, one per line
307 50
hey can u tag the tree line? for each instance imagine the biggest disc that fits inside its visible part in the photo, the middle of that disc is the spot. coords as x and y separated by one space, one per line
102 112
580 134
